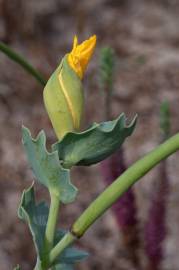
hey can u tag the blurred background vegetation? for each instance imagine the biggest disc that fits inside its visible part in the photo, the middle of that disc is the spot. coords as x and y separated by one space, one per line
144 36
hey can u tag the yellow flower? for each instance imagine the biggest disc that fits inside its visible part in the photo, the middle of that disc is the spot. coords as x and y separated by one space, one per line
80 55
63 93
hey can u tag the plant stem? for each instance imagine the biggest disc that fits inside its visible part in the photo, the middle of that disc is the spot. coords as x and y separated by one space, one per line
51 223
123 183
22 62
67 240
113 192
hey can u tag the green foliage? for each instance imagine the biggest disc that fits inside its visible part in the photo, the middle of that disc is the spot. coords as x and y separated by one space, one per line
36 216
94 144
47 168
70 255
63 98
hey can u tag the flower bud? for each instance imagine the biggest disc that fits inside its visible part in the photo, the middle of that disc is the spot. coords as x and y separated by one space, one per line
63 93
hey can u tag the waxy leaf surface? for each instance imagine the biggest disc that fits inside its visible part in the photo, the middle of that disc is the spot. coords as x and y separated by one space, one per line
47 168
36 217
94 144
70 255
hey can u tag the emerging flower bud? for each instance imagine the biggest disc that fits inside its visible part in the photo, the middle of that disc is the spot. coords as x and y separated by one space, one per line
81 55
63 93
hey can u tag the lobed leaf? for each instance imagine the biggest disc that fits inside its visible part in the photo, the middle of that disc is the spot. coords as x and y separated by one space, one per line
94 144
36 217
47 168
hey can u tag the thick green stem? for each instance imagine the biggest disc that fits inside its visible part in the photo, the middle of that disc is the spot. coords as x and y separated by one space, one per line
113 192
122 184
67 240
22 62
51 223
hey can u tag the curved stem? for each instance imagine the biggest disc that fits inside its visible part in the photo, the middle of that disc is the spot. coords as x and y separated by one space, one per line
22 62
113 192
122 184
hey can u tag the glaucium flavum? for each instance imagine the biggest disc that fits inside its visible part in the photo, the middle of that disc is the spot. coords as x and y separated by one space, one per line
63 93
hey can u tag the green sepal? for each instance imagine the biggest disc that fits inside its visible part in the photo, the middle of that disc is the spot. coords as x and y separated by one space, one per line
63 98
47 168
35 215
94 144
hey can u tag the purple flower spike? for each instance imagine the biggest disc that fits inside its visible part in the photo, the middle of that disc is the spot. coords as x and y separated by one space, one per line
125 208
155 229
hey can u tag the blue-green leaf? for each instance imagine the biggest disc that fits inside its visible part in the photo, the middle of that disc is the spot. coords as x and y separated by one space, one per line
47 168
70 255
36 217
94 144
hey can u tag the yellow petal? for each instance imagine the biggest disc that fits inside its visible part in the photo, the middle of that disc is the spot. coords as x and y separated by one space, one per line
81 54
75 42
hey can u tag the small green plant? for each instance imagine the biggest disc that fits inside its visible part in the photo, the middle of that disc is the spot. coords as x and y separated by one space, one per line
63 97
